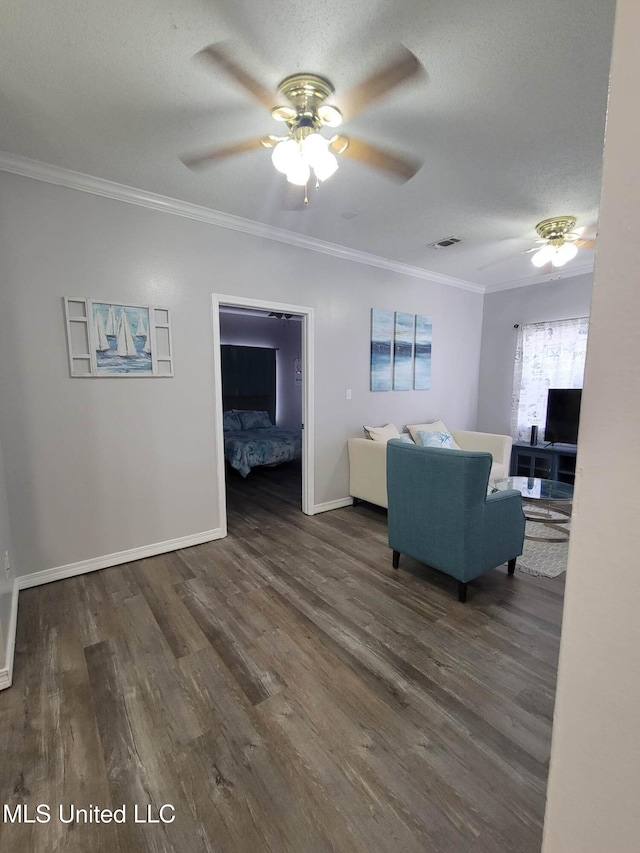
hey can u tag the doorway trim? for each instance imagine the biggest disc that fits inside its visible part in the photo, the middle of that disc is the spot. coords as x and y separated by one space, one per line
227 300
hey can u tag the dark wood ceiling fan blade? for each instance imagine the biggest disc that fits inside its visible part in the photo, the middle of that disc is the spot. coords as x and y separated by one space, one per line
219 54
403 66
397 167
204 158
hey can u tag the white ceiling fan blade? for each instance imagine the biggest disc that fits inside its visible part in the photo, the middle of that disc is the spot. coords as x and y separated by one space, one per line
500 246
496 261
584 232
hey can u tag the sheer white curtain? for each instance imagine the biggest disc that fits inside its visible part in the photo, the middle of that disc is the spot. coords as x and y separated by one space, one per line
548 355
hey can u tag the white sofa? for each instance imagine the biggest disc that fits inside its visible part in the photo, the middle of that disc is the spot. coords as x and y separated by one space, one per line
368 462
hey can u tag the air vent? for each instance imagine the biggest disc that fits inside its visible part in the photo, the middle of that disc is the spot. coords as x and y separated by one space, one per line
442 244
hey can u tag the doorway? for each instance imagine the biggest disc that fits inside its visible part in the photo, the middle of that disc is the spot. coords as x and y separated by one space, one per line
304 369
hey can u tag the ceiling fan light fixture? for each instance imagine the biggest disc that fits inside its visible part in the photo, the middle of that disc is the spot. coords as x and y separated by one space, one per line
563 254
559 248
295 158
542 256
314 148
325 167
298 172
285 155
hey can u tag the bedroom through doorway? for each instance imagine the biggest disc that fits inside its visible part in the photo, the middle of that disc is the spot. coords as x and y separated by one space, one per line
262 354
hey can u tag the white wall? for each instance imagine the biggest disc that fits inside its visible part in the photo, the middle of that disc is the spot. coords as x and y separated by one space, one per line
99 466
553 300
286 337
594 781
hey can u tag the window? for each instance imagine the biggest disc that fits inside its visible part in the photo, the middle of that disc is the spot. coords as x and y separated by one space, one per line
548 355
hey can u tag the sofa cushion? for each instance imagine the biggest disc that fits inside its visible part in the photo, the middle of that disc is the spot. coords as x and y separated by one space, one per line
429 438
383 433
436 426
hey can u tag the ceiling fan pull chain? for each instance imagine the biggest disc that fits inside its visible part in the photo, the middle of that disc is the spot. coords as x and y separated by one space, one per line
306 196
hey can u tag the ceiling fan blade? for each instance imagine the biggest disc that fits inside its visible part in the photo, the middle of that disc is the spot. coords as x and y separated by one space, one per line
217 53
494 263
584 236
402 67
397 167
204 158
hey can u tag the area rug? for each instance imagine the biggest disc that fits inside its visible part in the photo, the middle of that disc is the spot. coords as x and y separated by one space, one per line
543 559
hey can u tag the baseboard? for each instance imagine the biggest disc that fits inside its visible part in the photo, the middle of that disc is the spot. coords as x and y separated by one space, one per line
329 505
6 673
81 568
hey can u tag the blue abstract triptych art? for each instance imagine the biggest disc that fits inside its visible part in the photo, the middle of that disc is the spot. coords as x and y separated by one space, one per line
400 351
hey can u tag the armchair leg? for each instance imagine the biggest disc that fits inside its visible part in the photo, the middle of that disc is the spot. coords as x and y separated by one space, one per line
462 591
511 566
396 559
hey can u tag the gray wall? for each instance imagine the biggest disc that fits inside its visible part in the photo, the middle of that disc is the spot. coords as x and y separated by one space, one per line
553 300
283 335
6 583
98 466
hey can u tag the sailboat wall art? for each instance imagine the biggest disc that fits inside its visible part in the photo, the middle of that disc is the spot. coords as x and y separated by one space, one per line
117 339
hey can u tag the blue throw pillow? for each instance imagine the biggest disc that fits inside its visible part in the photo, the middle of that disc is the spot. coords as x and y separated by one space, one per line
255 420
437 439
231 422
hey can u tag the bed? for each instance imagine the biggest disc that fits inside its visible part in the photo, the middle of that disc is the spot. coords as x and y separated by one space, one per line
251 440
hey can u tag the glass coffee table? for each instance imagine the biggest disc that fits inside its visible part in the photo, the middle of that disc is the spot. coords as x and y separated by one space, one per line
544 502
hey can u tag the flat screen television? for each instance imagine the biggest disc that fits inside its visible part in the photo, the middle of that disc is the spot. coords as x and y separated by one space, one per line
563 415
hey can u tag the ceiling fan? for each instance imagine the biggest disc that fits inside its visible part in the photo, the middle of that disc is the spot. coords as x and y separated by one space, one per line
560 243
302 150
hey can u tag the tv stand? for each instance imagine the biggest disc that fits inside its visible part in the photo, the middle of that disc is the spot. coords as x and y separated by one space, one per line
548 462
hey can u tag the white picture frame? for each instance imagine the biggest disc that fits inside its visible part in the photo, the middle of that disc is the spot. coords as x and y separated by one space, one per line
107 339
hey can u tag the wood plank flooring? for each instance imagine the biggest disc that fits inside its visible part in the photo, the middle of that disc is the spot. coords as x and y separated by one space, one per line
283 689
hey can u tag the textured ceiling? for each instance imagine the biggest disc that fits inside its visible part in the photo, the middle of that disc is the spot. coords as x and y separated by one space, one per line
509 121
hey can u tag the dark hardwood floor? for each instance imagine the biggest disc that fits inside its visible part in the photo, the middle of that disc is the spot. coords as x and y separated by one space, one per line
283 689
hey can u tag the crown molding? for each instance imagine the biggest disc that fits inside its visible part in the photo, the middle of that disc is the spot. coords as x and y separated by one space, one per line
28 168
582 269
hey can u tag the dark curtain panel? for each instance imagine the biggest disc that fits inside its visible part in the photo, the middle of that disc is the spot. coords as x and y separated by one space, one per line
249 373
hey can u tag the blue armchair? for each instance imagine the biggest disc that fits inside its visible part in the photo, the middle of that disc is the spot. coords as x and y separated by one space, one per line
440 512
